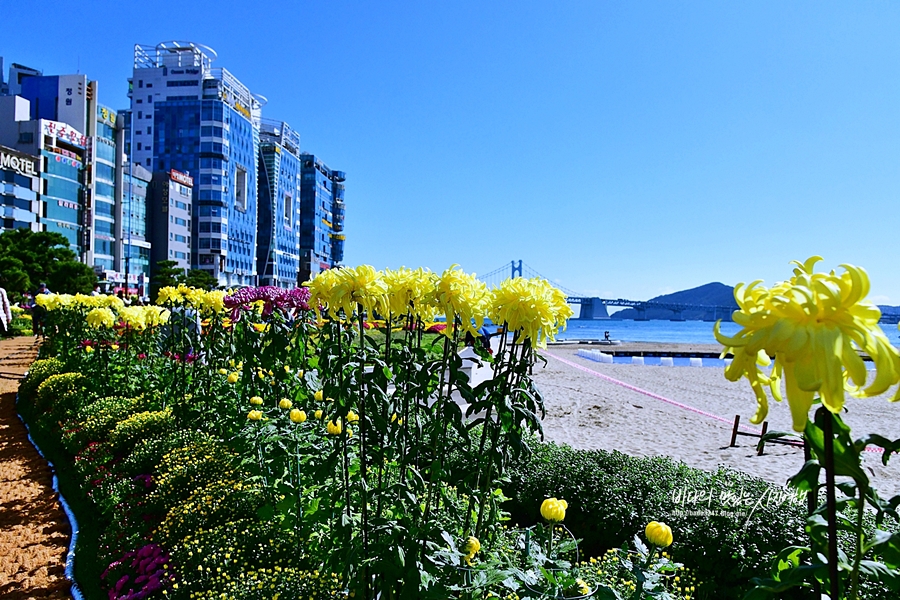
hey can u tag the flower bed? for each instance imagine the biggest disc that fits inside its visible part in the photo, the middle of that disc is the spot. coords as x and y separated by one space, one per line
270 443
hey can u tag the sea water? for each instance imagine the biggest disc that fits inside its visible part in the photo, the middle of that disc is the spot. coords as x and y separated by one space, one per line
676 332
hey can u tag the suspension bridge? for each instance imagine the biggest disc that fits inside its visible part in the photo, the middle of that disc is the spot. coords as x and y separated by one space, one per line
592 307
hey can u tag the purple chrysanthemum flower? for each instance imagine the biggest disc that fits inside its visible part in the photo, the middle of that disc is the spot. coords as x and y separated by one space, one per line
274 297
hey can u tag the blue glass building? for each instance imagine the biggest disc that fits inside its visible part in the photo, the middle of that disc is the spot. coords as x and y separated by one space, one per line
202 122
278 255
321 217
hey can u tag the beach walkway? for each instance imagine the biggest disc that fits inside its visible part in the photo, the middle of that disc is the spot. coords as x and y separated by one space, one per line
34 531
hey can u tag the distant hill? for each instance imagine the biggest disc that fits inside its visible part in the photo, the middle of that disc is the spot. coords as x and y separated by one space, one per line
710 294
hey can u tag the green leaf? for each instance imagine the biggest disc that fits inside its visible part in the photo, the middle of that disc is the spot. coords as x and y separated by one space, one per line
265 512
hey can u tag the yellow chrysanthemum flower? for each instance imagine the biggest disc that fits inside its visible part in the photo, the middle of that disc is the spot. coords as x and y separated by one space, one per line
285 404
193 296
334 427
100 318
471 548
554 510
814 324
411 292
533 307
321 290
214 302
659 534
297 415
134 316
169 295
459 294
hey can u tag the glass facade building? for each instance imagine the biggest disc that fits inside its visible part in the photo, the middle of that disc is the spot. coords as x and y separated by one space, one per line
135 241
202 122
278 255
20 183
321 217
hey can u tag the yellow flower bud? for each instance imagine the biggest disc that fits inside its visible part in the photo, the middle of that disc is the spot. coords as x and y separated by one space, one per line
554 510
298 416
256 400
658 534
285 404
318 414
233 377
334 427
254 415
318 395
223 371
352 417
88 349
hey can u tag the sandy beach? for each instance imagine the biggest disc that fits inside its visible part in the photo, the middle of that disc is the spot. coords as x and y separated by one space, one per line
587 411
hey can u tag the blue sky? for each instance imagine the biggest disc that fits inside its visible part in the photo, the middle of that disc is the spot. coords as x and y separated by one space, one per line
625 149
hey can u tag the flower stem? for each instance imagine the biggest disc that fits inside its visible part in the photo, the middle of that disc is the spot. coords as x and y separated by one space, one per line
831 503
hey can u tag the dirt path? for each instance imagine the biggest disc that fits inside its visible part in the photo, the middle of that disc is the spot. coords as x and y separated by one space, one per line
34 531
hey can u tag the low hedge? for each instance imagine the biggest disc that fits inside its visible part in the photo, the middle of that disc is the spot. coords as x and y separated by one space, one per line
612 495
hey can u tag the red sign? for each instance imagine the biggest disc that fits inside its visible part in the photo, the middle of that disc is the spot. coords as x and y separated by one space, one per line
181 178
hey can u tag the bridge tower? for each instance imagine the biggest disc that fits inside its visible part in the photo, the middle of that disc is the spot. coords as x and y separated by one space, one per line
515 269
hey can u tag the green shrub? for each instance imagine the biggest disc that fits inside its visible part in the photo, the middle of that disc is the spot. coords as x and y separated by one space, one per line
183 470
143 425
612 495
216 502
212 560
60 396
37 373
94 421
148 453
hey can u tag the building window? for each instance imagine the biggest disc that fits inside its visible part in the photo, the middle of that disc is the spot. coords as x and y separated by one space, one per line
26 137
288 209
139 145
140 114
148 162
240 190
149 130
149 85
140 83
149 99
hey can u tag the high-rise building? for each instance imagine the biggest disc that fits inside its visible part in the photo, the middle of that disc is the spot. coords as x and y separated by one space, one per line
62 153
322 216
134 239
170 213
20 183
72 100
202 122
278 254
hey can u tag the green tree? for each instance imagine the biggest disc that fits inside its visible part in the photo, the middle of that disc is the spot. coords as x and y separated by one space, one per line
199 278
28 258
